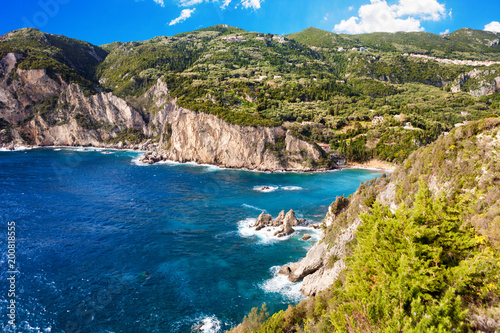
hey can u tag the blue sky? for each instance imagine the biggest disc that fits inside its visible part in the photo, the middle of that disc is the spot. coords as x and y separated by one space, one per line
105 21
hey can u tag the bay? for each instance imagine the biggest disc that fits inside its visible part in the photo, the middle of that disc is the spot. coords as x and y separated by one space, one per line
105 244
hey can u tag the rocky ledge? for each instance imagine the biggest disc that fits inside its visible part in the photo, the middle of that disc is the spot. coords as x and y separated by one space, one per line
323 262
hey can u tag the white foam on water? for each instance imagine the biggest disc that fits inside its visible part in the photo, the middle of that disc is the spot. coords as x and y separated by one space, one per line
20 148
280 284
168 162
292 188
253 207
265 235
23 148
245 229
265 188
212 168
209 324
137 161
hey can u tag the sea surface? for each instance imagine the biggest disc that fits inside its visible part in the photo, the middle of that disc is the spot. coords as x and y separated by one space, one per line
106 244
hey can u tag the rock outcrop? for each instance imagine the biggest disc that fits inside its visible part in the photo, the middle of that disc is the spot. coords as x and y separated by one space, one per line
323 262
285 223
263 221
286 228
478 82
206 139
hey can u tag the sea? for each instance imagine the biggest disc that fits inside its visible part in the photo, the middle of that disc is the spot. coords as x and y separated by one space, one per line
104 243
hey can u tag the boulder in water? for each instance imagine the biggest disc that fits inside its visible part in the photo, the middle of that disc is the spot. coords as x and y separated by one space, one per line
262 221
279 220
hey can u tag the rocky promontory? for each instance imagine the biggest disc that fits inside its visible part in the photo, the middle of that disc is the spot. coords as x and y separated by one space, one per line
203 138
39 109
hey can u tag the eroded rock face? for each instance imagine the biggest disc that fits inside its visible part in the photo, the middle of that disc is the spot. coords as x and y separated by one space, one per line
204 138
80 120
279 220
324 262
310 264
73 118
285 222
263 221
286 228
482 86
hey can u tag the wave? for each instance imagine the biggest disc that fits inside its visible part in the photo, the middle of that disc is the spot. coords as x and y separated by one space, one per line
20 148
272 188
209 325
200 323
265 188
280 284
253 207
292 188
137 161
265 235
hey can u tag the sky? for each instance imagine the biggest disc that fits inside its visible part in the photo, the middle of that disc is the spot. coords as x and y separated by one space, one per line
105 21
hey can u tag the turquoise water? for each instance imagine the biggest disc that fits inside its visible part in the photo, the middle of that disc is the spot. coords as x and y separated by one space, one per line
106 244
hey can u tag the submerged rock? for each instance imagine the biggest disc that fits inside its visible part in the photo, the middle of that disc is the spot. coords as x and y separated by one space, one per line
306 237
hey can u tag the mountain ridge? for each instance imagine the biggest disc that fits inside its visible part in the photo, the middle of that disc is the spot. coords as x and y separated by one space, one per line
332 100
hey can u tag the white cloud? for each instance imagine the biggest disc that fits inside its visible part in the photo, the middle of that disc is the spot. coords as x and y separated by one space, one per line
425 9
379 16
493 26
225 4
160 2
255 4
185 14
188 3
351 8
447 31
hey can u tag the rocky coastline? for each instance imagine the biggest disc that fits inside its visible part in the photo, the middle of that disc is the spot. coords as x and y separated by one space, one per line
41 111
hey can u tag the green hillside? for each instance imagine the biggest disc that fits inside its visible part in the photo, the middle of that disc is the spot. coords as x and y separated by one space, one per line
357 103
75 60
462 44
430 265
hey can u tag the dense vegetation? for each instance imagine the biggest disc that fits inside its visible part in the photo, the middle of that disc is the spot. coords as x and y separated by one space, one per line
320 94
377 104
432 264
462 44
74 60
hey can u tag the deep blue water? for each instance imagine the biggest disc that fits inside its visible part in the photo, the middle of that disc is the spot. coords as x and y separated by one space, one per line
107 245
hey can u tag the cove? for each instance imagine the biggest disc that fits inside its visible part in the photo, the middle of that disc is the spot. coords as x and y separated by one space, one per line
105 244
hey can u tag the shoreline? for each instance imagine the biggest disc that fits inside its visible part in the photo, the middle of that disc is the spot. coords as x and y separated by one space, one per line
372 165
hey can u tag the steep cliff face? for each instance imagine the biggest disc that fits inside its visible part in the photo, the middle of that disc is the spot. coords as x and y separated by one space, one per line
478 82
21 89
38 109
84 120
204 138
